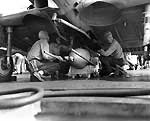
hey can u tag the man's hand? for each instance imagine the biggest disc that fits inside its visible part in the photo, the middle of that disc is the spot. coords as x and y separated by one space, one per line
60 58
69 58
101 51
53 57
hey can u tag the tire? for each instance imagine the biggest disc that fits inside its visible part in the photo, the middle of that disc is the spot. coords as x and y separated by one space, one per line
5 71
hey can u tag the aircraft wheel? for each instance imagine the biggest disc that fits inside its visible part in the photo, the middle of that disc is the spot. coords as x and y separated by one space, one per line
5 70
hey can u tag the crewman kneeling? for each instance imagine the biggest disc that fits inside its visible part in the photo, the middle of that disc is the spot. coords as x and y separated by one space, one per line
44 57
113 57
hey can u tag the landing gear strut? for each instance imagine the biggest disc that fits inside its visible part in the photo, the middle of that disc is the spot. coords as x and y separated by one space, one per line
6 62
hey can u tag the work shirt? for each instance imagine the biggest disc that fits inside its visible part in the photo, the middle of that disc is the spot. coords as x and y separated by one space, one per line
37 50
115 50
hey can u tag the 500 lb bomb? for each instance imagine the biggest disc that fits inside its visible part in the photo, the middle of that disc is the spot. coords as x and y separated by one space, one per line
81 57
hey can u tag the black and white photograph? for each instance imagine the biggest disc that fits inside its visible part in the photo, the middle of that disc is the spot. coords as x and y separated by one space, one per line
74 60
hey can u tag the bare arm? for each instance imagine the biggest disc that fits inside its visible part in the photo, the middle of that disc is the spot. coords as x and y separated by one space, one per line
52 56
45 48
109 51
46 54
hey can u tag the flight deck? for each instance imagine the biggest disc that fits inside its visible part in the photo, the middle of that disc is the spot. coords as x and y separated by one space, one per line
86 99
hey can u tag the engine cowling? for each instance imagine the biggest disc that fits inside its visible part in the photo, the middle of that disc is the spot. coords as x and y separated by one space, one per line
40 3
99 13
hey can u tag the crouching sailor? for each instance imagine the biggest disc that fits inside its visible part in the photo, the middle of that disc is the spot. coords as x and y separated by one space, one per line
44 57
112 58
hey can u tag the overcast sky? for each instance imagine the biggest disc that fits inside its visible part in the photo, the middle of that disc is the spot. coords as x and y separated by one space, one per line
14 6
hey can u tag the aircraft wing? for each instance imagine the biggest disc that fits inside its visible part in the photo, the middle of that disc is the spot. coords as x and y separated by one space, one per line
27 24
125 18
130 29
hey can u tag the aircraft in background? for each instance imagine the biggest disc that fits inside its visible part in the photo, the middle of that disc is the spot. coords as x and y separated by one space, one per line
86 20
